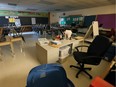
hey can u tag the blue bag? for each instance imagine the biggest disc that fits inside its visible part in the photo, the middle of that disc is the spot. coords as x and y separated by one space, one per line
48 75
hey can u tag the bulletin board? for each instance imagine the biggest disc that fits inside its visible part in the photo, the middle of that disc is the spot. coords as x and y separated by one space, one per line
11 20
108 20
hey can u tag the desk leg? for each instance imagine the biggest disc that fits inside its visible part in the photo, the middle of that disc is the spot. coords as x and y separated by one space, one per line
22 46
12 48
0 54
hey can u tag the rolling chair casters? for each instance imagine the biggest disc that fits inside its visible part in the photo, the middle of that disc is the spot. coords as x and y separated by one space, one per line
76 76
74 66
89 68
90 77
71 66
82 70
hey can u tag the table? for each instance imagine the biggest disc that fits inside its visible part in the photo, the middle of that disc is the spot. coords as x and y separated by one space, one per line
7 42
17 39
48 54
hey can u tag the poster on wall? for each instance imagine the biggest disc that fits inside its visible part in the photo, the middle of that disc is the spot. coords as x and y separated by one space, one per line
33 20
17 22
11 20
68 19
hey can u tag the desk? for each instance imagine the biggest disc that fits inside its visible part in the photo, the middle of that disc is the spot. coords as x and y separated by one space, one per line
7 42
49 54
105 32
102 29
17 39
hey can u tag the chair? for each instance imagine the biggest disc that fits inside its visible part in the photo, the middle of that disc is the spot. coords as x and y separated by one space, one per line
99 82
48 75
94 54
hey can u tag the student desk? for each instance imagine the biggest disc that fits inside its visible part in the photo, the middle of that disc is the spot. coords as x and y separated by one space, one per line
7 42
17 39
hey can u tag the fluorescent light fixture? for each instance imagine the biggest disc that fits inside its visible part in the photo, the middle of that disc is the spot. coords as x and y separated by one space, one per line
6 17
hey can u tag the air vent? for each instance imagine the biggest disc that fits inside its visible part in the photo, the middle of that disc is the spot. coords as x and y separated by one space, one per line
12 4
46 2
31 9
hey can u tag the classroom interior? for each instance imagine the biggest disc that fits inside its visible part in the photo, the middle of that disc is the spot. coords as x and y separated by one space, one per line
33 33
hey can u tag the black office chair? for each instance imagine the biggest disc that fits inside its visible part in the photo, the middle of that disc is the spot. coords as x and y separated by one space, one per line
94 54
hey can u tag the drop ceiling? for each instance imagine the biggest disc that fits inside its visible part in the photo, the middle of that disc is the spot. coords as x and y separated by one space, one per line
51 5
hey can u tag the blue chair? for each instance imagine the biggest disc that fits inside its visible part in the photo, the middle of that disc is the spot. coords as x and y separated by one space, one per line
48 75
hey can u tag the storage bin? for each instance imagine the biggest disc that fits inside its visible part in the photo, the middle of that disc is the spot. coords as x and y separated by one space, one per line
64 52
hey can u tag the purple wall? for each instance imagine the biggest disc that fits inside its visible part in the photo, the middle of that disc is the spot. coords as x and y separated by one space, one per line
108 20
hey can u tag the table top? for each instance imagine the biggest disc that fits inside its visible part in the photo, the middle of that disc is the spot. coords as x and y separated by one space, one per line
7 42
63 43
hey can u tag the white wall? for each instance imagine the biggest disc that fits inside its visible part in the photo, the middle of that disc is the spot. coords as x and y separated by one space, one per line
54 17
110 9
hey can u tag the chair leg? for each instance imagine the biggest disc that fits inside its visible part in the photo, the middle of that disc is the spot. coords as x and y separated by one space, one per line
88 68
78 73
75 66
81 69
87 74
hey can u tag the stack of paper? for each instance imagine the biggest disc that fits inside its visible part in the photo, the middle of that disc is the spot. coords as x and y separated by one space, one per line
43 41
56 42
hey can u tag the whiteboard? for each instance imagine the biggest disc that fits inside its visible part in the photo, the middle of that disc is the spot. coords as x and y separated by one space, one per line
95 28
33 20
